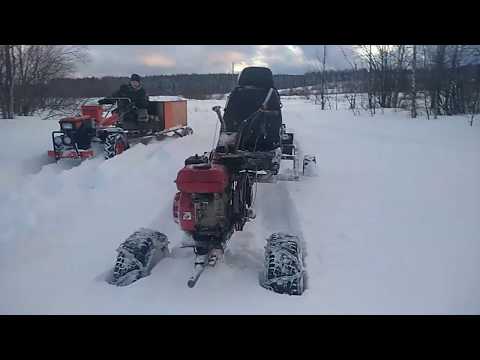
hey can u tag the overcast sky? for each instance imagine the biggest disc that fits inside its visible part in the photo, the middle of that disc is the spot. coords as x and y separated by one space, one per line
122 60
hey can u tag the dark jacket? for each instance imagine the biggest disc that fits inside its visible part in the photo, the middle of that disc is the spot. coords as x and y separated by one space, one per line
139 97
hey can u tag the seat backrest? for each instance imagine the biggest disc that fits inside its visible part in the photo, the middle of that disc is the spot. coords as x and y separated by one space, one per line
257 76
254 84
242 102
247 97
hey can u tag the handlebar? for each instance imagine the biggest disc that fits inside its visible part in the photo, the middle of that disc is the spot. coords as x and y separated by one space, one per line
216 109
112 101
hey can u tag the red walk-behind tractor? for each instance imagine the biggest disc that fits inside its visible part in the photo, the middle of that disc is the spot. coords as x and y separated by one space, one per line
121 125
216 191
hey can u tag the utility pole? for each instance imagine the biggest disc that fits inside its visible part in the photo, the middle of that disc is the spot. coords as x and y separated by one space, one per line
323 76
233 73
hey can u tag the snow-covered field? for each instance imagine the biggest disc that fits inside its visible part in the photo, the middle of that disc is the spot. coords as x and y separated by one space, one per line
391 221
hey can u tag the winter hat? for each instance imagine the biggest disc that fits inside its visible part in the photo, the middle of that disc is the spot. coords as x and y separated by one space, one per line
135 77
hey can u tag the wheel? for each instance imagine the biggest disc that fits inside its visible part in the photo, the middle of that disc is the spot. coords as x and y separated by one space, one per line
242 200
184 131
137 255
283 271
288 147
115 144
309 165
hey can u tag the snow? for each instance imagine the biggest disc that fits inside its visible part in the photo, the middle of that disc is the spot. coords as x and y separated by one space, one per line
166 98
390 222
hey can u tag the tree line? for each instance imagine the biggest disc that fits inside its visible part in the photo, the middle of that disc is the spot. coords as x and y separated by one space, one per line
436 79
193 86
441 79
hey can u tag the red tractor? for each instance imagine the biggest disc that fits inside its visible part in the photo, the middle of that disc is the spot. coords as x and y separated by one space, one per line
118 128
216 191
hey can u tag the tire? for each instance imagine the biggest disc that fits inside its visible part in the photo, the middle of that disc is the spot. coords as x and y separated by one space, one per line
309 165
283 271
137 255
287 144
242 200
114 145
184 131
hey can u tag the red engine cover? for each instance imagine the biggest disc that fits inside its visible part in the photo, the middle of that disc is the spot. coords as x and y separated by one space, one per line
197 179
93 111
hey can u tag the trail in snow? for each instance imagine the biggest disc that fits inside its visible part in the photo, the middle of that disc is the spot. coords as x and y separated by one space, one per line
276 209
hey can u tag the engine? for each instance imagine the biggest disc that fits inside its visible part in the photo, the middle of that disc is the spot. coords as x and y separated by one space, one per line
202 205
76 130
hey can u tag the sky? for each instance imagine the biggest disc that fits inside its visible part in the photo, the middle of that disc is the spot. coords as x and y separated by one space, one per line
123 60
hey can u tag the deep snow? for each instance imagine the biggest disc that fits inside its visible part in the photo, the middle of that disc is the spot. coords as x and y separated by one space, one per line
390 222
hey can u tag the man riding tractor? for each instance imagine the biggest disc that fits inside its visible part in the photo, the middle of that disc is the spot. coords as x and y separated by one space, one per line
131 117
135 111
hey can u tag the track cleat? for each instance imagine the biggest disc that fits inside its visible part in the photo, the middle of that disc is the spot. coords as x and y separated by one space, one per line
215 256
201 259
137 255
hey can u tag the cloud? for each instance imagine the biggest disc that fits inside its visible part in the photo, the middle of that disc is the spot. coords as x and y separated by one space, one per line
122 60
157 60
220 58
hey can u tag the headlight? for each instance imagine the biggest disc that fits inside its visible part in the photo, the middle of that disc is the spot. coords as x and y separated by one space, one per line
67 140
67 126
57 140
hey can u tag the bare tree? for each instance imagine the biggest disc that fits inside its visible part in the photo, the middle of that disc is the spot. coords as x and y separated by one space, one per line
39 64
474 107
320 67
336 91
371 94
7 81
352 99
476 86
3 94
63 107
438 73
414 83
448 78
26 70
425 92
375 60
400 55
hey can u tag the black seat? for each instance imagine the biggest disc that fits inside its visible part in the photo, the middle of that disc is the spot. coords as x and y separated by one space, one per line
261 131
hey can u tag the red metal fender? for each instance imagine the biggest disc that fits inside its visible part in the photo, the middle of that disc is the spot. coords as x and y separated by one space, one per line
110 121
